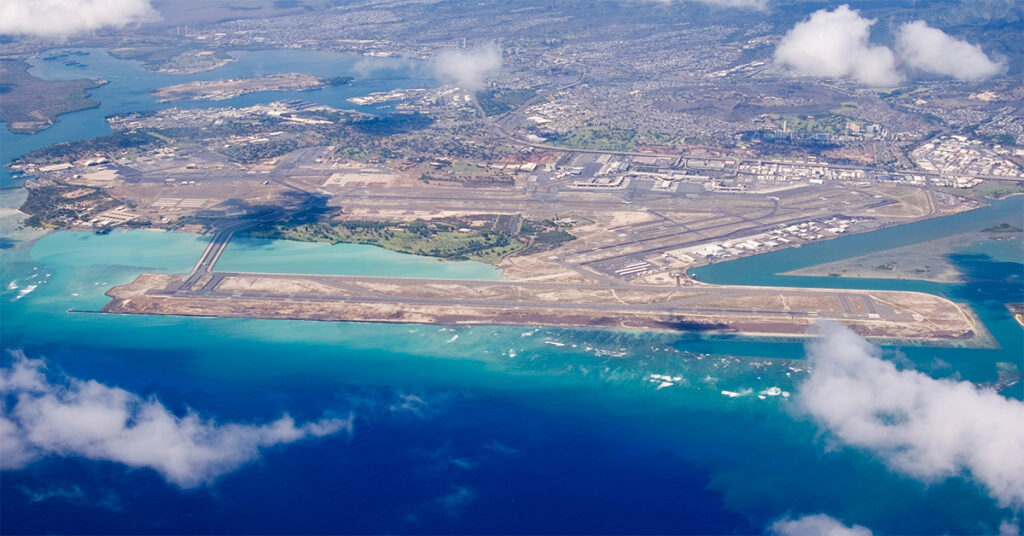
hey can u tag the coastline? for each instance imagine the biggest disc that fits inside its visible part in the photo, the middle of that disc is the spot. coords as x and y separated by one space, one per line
735 310
535 314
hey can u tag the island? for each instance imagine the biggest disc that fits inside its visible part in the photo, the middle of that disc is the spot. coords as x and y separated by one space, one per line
599 238
1017 310
746 311
926 261
194 61
217 90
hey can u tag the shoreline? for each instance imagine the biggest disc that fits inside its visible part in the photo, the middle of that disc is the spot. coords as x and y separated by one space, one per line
718 310
985 203
709 334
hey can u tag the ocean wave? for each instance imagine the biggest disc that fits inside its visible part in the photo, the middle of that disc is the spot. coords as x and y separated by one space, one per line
25 292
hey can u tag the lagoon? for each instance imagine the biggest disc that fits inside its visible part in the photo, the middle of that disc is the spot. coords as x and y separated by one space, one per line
516 433
518 430
993 271
287 256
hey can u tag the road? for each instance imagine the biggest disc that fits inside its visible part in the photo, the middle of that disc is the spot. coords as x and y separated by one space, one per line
224 231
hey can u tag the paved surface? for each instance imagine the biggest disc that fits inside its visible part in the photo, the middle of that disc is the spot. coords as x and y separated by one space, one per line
749 310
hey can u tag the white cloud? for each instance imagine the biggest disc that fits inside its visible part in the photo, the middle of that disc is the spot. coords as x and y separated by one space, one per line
925 428
71 417
467 68
834 44
932 50
54 18
816 525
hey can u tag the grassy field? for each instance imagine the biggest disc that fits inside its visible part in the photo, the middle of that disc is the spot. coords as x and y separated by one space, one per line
498 101
828 122
991 189
604 138
468 169
445 244
450 238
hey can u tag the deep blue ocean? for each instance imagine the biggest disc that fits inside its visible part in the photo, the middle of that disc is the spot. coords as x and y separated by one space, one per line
465 430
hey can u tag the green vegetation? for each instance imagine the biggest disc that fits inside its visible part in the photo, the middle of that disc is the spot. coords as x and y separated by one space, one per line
499 101
358 136
63 205
846 108
174 59
544 235
366 153
254 152
389 125
74 150
604 138
468 169
434 239
338 80
892 94
600 138
480 238
464 173
995 138
1002 228
1001 138
30 104
990 189
361 137
832 122
479 181
531 42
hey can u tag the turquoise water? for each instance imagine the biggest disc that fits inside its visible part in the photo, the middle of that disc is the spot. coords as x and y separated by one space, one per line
519 430
532 430
766 269
285 256
994 276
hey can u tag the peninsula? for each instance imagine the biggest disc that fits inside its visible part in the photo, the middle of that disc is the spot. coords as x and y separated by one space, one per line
217 90
29 104
747 311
